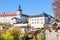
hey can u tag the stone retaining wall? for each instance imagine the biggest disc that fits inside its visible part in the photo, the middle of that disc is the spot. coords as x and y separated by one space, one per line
51 35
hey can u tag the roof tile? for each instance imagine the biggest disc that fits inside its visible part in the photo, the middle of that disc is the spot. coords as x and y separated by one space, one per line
2 15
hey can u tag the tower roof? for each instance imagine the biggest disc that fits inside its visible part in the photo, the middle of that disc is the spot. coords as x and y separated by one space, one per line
19 8
42 15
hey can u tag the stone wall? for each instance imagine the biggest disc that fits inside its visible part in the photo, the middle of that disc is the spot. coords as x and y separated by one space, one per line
51 35
58 34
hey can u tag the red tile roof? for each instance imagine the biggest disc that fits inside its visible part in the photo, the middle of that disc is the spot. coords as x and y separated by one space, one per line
2 15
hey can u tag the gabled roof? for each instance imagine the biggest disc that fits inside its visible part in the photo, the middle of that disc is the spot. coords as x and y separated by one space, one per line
41 15
25 15
12 14
4 15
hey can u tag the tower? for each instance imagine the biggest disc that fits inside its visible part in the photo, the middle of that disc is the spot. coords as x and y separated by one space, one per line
19 12
56 9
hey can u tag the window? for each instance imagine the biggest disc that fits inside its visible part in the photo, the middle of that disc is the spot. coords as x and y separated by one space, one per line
37 19
32 22
32 19
41 22
37 22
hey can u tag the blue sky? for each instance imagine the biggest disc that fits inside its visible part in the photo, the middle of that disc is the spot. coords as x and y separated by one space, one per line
29 7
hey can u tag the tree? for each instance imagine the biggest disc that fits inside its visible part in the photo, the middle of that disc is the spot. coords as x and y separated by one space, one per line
3 25
40 33
26 27
59 26
1 34
7 36
15 32
25 21
9 25
56 8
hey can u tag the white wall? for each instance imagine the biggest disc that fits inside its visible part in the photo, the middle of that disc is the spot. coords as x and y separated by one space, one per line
51 35
36 22
20 25
46 20
18 14
6 19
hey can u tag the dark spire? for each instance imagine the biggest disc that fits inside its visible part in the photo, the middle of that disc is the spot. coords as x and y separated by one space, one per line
19 8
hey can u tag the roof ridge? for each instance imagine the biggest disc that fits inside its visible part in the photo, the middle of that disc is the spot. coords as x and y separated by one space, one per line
2 15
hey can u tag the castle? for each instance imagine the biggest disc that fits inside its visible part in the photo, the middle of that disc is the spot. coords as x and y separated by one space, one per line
37 21
12 18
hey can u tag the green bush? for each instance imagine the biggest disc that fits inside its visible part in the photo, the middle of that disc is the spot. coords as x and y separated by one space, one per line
59 26
7 36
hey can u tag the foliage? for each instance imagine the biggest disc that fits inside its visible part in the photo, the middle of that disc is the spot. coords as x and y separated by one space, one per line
40 34
3 24
15 32
7 36
26 37
1 32
30 36
9 26
1 35
25 21
22 35
40 29
59 26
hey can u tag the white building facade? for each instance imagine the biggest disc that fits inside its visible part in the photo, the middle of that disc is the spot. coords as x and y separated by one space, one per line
39 21
17 17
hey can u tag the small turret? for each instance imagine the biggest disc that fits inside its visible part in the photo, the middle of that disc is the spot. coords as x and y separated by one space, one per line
19 11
